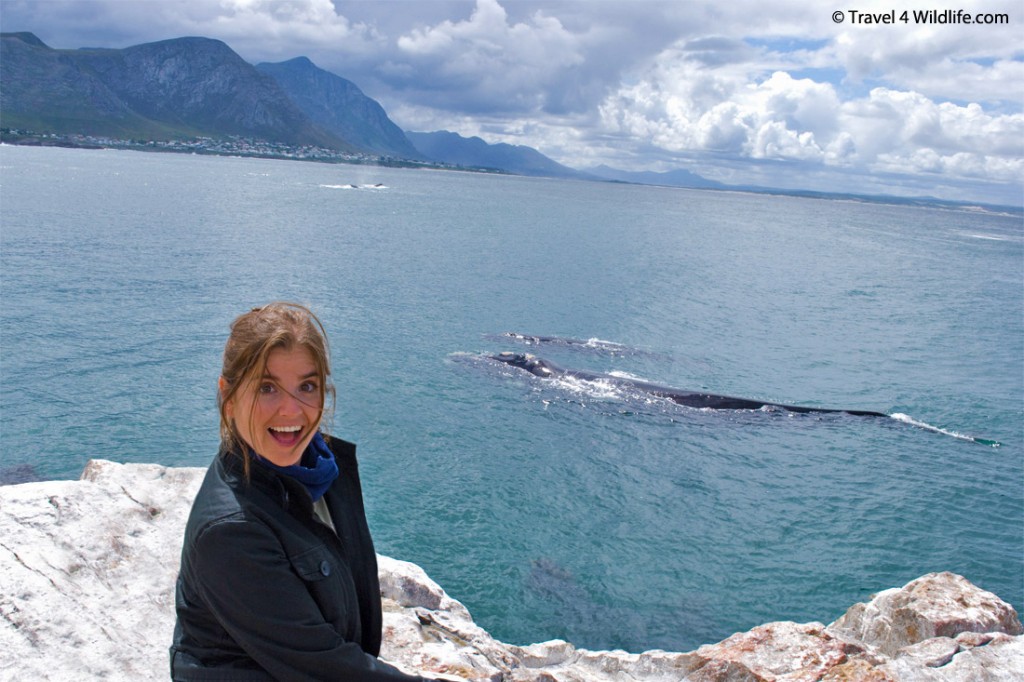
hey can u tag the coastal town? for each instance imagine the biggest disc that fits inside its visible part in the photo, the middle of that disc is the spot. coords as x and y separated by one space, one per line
234 145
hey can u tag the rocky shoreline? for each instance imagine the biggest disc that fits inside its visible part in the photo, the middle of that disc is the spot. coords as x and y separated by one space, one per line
88 572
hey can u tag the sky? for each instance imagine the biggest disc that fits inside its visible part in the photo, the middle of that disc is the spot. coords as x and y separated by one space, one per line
856 96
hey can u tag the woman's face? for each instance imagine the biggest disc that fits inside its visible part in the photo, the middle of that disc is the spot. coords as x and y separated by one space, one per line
277 414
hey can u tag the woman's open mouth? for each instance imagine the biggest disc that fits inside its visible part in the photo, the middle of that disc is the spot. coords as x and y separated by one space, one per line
286 436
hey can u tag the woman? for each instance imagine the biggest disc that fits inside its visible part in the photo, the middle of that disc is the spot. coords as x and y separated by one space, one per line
278 573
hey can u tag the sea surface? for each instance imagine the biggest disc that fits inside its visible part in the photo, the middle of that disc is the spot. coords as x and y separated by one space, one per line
551 508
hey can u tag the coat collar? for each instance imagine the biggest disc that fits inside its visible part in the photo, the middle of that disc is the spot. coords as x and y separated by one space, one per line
286 490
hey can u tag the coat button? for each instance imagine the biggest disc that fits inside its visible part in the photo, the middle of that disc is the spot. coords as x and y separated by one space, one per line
325 568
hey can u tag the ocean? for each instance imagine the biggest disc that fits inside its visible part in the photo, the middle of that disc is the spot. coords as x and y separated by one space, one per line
551 507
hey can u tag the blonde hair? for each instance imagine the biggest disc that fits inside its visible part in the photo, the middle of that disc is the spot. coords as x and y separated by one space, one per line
254 335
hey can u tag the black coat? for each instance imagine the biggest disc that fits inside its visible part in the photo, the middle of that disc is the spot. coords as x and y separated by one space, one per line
268 592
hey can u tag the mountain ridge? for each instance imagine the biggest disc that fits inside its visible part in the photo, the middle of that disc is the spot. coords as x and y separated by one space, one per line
674 178
444 146
180 87
338 106
71 96
202 84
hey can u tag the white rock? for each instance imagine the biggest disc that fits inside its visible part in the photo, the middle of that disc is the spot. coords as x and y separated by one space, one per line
88 572
934 605
87 592
1002 660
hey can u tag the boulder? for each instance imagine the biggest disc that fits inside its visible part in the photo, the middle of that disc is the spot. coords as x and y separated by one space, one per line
936 605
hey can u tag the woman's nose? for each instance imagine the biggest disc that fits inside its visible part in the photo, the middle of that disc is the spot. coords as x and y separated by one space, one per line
289 404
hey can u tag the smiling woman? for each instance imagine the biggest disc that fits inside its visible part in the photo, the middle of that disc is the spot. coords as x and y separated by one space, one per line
278 410
278 572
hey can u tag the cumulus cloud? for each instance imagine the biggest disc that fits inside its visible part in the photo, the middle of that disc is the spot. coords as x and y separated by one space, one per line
487 62
947 107
683 106
907 132
282 29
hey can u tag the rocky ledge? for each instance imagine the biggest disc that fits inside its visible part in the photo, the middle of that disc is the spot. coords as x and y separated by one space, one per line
87 592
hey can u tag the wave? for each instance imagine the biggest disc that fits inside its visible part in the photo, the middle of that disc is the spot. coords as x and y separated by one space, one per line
350 186
907 419
989 237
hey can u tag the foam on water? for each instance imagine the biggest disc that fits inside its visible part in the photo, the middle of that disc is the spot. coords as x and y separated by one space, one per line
619 374
588 387
907 419
595 342
351 186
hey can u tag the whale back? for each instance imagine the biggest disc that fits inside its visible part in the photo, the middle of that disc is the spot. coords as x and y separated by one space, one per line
546 369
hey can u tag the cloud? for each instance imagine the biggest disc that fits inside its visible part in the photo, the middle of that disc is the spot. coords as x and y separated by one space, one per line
723 96
907 132
958 62
257 29
281 29
488 63
680 104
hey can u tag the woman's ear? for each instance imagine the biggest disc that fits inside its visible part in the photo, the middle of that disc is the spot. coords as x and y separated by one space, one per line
222 386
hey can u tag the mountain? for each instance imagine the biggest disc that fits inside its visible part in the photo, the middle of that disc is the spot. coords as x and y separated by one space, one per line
203 84
47 90
673 178
340 107
199 87
183 86
452 148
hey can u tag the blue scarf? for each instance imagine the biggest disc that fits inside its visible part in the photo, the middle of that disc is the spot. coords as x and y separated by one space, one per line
316 470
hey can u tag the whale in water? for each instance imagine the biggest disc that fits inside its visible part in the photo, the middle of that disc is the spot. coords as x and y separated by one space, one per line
700 399
592 344
548 370
563 340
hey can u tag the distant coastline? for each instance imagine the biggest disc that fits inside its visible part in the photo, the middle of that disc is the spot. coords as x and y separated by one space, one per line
232 146
254 148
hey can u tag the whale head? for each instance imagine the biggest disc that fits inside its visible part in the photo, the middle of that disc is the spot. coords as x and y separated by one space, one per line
531 363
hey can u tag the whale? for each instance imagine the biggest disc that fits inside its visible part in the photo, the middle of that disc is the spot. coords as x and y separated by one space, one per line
593 344
546 369
530 338
19 473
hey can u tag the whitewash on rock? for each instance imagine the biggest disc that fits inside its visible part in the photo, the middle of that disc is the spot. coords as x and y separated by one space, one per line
87 592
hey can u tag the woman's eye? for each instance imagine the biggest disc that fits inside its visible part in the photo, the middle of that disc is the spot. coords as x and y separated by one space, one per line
308 387
267 388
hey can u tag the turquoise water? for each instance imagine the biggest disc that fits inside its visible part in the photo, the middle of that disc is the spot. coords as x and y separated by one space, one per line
551 509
